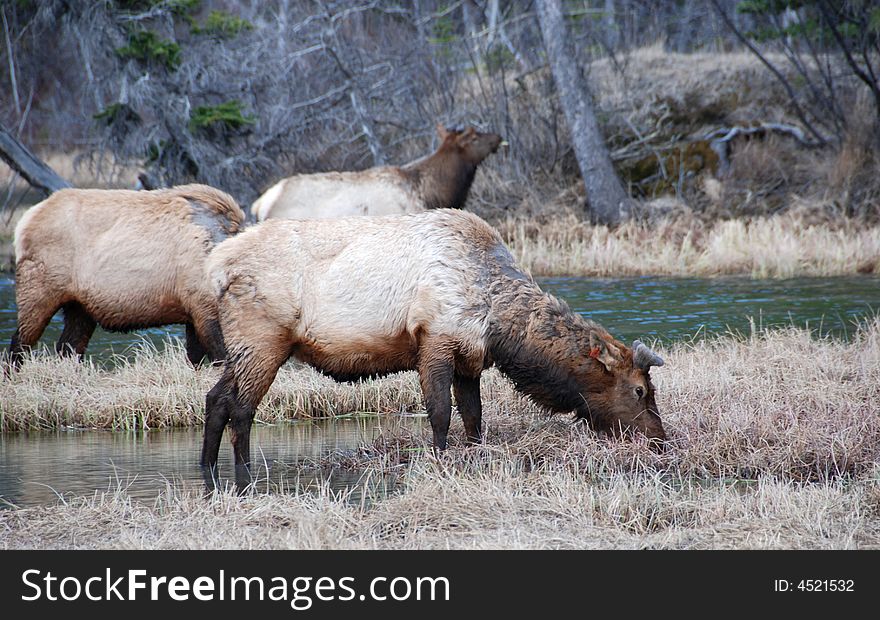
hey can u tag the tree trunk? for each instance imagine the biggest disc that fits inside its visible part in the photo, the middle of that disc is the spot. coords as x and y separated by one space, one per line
31 168
367 126
608 202
609 22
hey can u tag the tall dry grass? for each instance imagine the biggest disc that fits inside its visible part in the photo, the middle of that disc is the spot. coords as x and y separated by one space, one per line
767 247
495 507
159 389
774 443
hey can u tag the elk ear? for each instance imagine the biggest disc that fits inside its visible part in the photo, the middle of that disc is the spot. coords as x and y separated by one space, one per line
442 132
600 351
466 137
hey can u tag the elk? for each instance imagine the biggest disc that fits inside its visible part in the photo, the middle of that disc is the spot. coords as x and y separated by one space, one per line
436 292
440 180
123 260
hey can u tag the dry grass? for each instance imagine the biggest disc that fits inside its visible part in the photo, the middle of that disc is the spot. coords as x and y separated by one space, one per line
695 89
778 402
158 389
682 245
492 507
774 443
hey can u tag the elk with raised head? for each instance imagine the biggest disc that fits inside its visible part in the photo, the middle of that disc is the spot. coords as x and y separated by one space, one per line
437 181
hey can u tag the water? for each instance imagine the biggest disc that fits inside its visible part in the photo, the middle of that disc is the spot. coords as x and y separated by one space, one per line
670 309
649 308
102 345
38 468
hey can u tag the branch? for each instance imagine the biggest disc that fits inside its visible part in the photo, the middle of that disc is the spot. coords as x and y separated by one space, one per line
788 89
359 107
11 59
720 139
28 165
794 57
872 84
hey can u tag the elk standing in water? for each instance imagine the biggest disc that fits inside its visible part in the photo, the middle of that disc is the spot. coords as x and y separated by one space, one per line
437 292
440 180
123 260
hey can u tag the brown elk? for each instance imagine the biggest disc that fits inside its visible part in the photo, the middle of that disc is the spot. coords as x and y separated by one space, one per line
437 292
123 260
440 180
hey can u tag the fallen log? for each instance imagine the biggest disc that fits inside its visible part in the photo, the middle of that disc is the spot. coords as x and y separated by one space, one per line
28 165
720 139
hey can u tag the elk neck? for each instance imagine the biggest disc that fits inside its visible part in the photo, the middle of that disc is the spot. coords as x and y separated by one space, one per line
443 179
539 343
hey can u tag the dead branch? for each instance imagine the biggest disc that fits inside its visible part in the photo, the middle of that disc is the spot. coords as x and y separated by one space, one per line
720 139
28 165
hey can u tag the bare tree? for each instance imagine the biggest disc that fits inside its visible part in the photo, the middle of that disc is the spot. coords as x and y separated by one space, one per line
237 95
608 201
829 48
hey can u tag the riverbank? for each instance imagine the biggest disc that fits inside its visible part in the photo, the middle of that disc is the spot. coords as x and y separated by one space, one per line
494 504
781 373
774 443
767 247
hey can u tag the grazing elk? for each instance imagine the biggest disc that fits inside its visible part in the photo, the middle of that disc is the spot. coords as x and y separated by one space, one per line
123 260
437 292
440 180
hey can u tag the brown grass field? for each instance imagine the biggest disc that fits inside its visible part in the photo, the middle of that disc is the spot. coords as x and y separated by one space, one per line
773 444
765 247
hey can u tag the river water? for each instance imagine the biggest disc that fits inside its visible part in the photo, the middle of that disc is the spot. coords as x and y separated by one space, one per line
649 308
37 468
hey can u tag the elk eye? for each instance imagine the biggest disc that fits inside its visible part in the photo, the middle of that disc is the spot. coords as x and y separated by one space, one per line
640 392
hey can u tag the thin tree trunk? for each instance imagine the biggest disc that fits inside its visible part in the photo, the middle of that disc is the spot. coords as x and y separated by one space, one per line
609 22
493 22
608 202
468 11
369 132
12 79
31 168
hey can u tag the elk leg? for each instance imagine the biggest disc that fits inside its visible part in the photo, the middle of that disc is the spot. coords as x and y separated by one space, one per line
206 333
218 405
37 304
467 397
78 329
195 351
435 376
234 400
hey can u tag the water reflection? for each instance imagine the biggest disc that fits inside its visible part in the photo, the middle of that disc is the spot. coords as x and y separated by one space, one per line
37 468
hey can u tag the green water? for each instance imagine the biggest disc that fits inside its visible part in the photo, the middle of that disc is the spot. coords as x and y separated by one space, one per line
665 309
670 309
